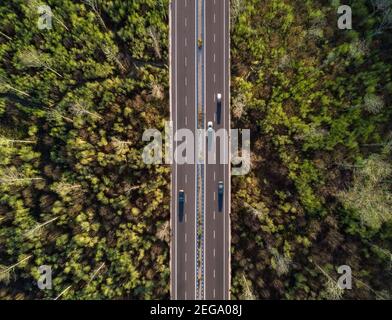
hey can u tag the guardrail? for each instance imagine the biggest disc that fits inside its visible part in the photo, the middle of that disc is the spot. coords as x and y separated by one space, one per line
200 110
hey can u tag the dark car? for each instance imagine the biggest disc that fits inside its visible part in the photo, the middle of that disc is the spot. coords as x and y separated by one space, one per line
181 205
218 108
220 195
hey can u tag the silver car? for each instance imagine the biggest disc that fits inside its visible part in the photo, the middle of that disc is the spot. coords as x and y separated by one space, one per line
210 133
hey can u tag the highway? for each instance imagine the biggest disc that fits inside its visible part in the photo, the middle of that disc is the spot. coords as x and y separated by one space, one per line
197 74
217 227
183 115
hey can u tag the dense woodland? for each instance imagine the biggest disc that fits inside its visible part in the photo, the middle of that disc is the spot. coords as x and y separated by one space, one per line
318 102
76 195
74 192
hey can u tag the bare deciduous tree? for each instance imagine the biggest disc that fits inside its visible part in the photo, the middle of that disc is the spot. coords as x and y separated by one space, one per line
96 272
236 8
316 30
95 7
111 53
65 188
157 91
156 40
247 293
257 212
238 106
369 194
54 114
373 104
282 262
63 292
5 272
332 288
121 146
163 232
129 188
4 35
13 177
359 48
36 229
78 109
9 142
32 58
5 86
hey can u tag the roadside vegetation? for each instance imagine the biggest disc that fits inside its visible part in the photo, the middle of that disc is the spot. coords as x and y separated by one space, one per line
318 102
74 192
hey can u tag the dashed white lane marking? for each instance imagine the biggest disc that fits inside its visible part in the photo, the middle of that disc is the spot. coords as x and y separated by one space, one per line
214 37
186 3
185 295
214 234
214 274
185 278
186 61
214 196
186 100
214 57
175 181
195 101
214 77
224 179
186 238
186 257
214 292
186 22
214 176
214 214
186 81
214 252
214 18
186 176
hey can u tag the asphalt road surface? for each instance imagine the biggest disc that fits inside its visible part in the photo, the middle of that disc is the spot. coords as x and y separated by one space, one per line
184 94
217 78
183 114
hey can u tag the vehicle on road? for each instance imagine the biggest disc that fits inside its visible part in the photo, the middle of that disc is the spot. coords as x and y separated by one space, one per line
218 108
181 205
220 195
210 132
200 43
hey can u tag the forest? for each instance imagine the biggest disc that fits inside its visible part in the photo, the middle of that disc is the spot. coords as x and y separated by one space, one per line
318 102
74 191
76 195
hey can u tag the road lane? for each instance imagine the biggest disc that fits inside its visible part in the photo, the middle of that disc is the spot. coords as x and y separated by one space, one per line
183 96
217 235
